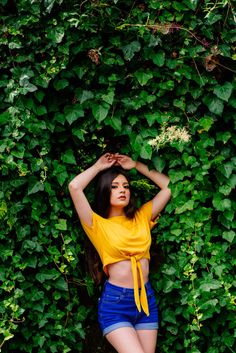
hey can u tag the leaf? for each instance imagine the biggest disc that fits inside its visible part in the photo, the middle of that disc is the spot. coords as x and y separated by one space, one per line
180 103
38 186
192 4
5 117
39 95
215 105
206 122
226 169
229 236
78 132
24 82
109 97
68 157
61 225
73 113
48 275
60 172
223 136
130 49
209 285
143 77
221 204
54 251
115 122
86 95
187 206
61 284
146 151
100 111
224 91
60 84
56 34
213 17
159 58
159 163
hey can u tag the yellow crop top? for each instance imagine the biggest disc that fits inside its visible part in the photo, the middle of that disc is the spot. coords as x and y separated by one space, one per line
120 238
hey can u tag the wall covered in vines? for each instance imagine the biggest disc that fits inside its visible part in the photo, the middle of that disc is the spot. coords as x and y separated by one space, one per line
152 79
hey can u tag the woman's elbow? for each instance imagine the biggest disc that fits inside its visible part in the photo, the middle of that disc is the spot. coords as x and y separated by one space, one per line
167 191
72 186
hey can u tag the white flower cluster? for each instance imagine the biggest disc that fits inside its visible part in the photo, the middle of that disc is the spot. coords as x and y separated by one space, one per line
170 134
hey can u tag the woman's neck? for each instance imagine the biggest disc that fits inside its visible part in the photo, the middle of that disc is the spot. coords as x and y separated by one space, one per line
116 212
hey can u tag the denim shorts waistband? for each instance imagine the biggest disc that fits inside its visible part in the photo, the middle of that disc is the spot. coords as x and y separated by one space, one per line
109 285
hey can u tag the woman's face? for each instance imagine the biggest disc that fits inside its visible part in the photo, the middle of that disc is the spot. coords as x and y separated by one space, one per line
120 192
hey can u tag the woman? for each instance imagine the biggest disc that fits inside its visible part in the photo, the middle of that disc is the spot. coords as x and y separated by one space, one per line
127 310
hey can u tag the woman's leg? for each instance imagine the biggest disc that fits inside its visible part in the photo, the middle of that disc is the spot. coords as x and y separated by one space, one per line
125 340
148 340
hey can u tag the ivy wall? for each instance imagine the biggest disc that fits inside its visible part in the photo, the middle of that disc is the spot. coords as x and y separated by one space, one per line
79 78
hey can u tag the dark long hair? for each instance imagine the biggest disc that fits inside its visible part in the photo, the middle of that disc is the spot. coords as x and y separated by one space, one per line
101 207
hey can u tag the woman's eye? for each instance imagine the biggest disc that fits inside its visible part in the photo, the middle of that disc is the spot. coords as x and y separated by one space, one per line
126 186
113 186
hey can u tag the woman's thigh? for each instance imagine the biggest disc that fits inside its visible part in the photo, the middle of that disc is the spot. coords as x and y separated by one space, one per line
125 340
148 340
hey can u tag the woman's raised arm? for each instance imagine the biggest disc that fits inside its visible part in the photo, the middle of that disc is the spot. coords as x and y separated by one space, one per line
160 179
79 183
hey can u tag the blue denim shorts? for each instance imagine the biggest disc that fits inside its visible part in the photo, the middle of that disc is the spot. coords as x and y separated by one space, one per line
117 308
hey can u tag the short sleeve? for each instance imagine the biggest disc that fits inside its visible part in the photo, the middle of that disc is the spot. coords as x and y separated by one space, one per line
92 232
146 210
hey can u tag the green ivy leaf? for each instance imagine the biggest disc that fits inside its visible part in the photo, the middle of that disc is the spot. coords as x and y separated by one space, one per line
47 275
213 17
215 105
221 204
35 187
130 49
68 157
56 34
187 206
109 97
78 132
146 151
229 236
143 77
86 95
226 169
224 91
60 84
210 284
206 122
61 284
5 117
159 58
60 172
115 122
62 224
100 111
73 113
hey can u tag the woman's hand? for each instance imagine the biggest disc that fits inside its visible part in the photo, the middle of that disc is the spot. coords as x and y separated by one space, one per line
106 161
124 161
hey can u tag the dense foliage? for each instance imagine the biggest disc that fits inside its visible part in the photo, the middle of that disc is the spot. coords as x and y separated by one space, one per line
82 77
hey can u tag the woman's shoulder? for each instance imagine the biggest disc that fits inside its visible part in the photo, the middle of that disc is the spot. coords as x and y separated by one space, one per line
146 207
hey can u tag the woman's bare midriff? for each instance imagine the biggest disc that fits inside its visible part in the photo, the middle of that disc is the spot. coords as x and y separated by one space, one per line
120 273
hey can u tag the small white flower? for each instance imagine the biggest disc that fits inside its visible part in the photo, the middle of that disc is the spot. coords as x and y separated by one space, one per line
169 134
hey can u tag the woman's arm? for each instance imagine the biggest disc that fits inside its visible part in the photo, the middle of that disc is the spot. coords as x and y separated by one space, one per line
160 179
79 183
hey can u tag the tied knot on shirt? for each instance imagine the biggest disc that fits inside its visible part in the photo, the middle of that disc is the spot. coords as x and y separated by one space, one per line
140 299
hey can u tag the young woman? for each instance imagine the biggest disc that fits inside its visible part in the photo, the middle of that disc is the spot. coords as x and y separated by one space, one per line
127 309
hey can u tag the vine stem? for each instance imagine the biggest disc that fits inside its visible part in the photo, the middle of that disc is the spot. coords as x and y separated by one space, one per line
161 27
